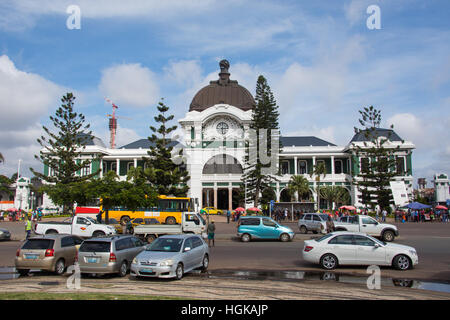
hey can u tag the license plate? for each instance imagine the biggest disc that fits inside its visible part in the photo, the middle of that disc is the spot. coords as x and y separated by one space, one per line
146 270
31 256
92 260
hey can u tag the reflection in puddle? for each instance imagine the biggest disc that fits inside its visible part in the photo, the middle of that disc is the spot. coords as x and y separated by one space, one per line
8 273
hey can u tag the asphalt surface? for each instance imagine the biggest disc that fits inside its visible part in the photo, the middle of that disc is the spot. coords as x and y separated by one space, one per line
272 260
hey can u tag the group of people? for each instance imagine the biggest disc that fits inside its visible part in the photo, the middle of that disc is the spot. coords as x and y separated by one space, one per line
21 215
421 216
280 215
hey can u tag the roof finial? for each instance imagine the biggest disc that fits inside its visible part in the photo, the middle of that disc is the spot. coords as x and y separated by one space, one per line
224 74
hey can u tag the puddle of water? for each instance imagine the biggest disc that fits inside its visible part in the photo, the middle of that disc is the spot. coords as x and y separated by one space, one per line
326 276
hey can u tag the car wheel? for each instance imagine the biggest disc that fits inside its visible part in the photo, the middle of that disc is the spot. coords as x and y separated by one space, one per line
51 232
245 237
402 262
123 269
388 236
23 272
98 234
303 230
179 271
285 237
171 220
329 261
205 262
60 267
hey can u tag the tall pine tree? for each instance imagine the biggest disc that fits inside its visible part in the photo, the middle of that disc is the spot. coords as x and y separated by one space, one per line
257 176
168 177
379 163
61 152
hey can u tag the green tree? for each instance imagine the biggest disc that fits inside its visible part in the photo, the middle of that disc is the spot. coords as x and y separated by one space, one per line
168 177
5 185
318 170
61 152
379 166
334 194
257 174
298 185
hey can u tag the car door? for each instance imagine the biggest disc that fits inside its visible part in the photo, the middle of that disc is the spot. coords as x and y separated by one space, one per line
367 252
315 223
68 250
197 251
81 227
343 248
269 229
307 221
369 226
188 257
191 223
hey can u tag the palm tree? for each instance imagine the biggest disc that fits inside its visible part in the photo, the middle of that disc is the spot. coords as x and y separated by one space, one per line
336 194
319 170
298 185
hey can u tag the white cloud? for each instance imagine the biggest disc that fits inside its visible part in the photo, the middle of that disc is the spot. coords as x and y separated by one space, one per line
25 96
130 85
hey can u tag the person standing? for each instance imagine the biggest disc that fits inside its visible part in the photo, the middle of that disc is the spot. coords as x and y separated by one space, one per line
228 216
211 232
330 225
27 227
384 214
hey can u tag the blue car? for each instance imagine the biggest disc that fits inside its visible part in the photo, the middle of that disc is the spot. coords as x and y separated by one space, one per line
260 227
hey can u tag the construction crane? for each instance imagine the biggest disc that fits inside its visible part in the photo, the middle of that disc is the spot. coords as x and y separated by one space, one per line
113 123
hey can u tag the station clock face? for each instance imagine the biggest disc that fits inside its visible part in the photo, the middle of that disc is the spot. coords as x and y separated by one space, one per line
222 127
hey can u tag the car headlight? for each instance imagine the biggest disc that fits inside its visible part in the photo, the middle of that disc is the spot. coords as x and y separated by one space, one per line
1 232
135 261
166 263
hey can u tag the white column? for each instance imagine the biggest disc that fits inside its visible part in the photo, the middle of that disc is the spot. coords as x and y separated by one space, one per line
295 166
118 167
101 168
332 165
135 162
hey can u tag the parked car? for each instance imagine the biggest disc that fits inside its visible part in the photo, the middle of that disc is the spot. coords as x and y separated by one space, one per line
354 248
5 234
315 222
211 210
48 252
171 256
261 227
111 254
80 226
368 225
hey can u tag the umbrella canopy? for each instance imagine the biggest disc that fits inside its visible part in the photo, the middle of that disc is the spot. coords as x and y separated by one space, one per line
417 206
441 207
239 209
254 209
12 209
348 207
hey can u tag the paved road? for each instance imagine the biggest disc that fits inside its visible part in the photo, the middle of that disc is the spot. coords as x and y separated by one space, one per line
432 241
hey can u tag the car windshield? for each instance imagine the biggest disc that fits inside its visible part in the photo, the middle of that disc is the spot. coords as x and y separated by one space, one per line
38 244
201 219
92 220
95 246
376 240
323 237
166 245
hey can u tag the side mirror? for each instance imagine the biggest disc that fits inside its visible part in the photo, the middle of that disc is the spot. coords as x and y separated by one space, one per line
377 245
187 249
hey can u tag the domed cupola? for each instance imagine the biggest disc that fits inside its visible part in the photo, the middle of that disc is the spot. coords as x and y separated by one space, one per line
224 91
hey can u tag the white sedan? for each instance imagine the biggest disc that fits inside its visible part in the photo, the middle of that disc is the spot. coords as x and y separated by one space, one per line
354 248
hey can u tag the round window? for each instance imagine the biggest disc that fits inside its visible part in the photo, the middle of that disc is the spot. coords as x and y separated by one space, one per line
222 128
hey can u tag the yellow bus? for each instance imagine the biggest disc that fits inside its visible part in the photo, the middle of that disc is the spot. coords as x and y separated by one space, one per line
168 211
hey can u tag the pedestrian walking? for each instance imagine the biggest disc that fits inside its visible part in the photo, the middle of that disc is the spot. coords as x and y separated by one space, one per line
211 232
228 216
129 227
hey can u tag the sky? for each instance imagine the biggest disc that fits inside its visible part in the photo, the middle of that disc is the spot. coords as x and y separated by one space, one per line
320 58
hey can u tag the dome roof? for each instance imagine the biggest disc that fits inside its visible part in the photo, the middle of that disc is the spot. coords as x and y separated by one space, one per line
224 91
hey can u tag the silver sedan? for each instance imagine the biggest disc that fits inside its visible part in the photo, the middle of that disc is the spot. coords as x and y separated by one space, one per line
5 234
171 257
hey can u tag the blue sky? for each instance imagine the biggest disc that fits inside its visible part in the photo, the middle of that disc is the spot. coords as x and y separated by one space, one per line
319 57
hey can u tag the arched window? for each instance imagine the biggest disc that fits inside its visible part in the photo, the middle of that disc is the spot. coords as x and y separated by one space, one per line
222 164
302 167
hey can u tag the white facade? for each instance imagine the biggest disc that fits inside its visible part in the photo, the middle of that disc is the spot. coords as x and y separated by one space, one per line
441 187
